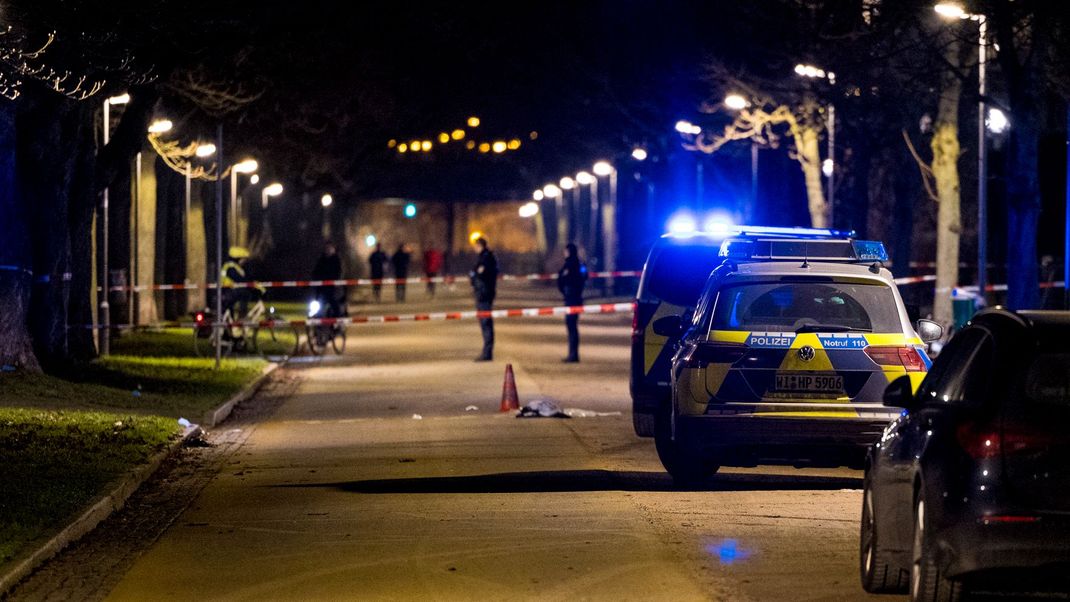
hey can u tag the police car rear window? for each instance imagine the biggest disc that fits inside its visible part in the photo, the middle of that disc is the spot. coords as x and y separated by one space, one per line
787 307
677 274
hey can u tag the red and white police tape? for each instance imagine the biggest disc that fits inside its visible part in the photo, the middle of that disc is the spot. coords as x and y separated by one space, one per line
363 281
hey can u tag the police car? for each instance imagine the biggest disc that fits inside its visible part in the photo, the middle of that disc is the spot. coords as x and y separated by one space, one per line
786 357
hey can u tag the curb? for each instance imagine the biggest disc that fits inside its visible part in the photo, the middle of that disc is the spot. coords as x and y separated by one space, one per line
114 500
213 417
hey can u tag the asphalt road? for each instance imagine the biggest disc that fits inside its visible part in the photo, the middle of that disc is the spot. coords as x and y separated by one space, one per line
371 476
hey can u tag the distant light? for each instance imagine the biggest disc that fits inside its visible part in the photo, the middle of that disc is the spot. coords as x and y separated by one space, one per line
499 146
370 240
273 189
425 145
410 210
254 179
443 138
470 144
639 154
391 143
403 147
474 236
514 144
529 209
584 178
246 166
950 10
736 102
682 224
160 126
538 195
997 121
684 127
326 200
121 99
551 191
484 147
205 150
602 168
457 134
811 71
567 183
415 146
532 135
826 167
473 122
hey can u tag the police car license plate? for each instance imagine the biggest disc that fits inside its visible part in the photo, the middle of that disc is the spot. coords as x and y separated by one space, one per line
809 383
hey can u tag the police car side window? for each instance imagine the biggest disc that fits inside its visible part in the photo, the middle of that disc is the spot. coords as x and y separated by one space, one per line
961 375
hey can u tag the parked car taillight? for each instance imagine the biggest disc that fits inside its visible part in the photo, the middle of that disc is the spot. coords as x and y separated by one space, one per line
988 442
907 357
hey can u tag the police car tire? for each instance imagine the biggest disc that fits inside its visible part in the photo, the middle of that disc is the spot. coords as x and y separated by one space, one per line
928 583
685 468
877 567
643 424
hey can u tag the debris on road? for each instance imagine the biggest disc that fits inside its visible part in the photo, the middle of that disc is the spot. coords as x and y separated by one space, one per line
471 409
417 417
579 413
542 408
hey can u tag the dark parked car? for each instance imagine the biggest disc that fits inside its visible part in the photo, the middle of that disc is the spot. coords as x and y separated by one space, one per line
970 487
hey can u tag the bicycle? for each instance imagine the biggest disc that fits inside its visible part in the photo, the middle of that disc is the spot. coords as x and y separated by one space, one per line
319 335
261 332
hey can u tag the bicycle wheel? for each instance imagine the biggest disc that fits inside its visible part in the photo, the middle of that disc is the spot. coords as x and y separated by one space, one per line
338 341
276 342
318 337
204 340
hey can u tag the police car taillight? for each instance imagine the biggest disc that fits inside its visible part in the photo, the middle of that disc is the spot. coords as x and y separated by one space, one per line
907 357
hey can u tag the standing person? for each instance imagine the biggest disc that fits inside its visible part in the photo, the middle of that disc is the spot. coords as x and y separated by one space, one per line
377 260
432 266
484 277
401 260
570 281
329 267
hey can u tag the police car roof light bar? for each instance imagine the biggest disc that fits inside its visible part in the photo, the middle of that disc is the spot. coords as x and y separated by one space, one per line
766 231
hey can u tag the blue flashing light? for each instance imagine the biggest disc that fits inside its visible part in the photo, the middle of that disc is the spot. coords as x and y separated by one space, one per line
410 210
870 250
682 224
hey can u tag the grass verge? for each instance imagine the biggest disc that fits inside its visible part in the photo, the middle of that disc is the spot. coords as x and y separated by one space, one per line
64 439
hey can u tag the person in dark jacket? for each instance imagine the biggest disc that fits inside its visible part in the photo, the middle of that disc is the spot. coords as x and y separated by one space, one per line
570 281
377 261
329 267
484 277
401 260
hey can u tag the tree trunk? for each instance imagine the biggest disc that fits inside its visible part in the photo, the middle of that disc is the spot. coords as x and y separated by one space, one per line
809 156
16 275
946 151
83 199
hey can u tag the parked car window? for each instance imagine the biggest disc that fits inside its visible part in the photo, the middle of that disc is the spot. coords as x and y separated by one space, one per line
962 374
1048 379
766 306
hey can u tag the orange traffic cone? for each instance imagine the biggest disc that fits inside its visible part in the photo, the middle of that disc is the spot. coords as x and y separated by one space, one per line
509 397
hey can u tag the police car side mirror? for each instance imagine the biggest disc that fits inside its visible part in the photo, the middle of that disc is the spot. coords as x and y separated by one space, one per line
900 394
929 330
669 326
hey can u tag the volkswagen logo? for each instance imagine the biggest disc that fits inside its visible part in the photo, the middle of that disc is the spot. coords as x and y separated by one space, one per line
806 353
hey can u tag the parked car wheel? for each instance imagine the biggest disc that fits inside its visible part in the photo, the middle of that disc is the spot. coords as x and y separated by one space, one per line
880 573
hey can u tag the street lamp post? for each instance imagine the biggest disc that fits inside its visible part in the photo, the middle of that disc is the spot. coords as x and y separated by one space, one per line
586 179
551 191
105 307
608 215
829 165
246 166
950 10
569 228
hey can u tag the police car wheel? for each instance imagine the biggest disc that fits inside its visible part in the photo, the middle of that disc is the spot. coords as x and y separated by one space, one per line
877 567
686 467
643 424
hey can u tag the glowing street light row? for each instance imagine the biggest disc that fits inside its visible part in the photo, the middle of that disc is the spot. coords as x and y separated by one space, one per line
583 178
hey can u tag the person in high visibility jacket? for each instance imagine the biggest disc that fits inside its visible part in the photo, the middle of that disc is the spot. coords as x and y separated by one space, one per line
231 275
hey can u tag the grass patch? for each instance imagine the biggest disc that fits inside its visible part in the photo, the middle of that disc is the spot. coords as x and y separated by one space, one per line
52 464
174 387
166 342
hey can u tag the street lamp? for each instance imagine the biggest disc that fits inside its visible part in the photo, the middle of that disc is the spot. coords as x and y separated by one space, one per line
160 126
104 306
247 166
326 200
254 179
205 150
530 209
274 189
736 102
997 121
953 10
538 195
639 154
607 215
686 127
828 166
